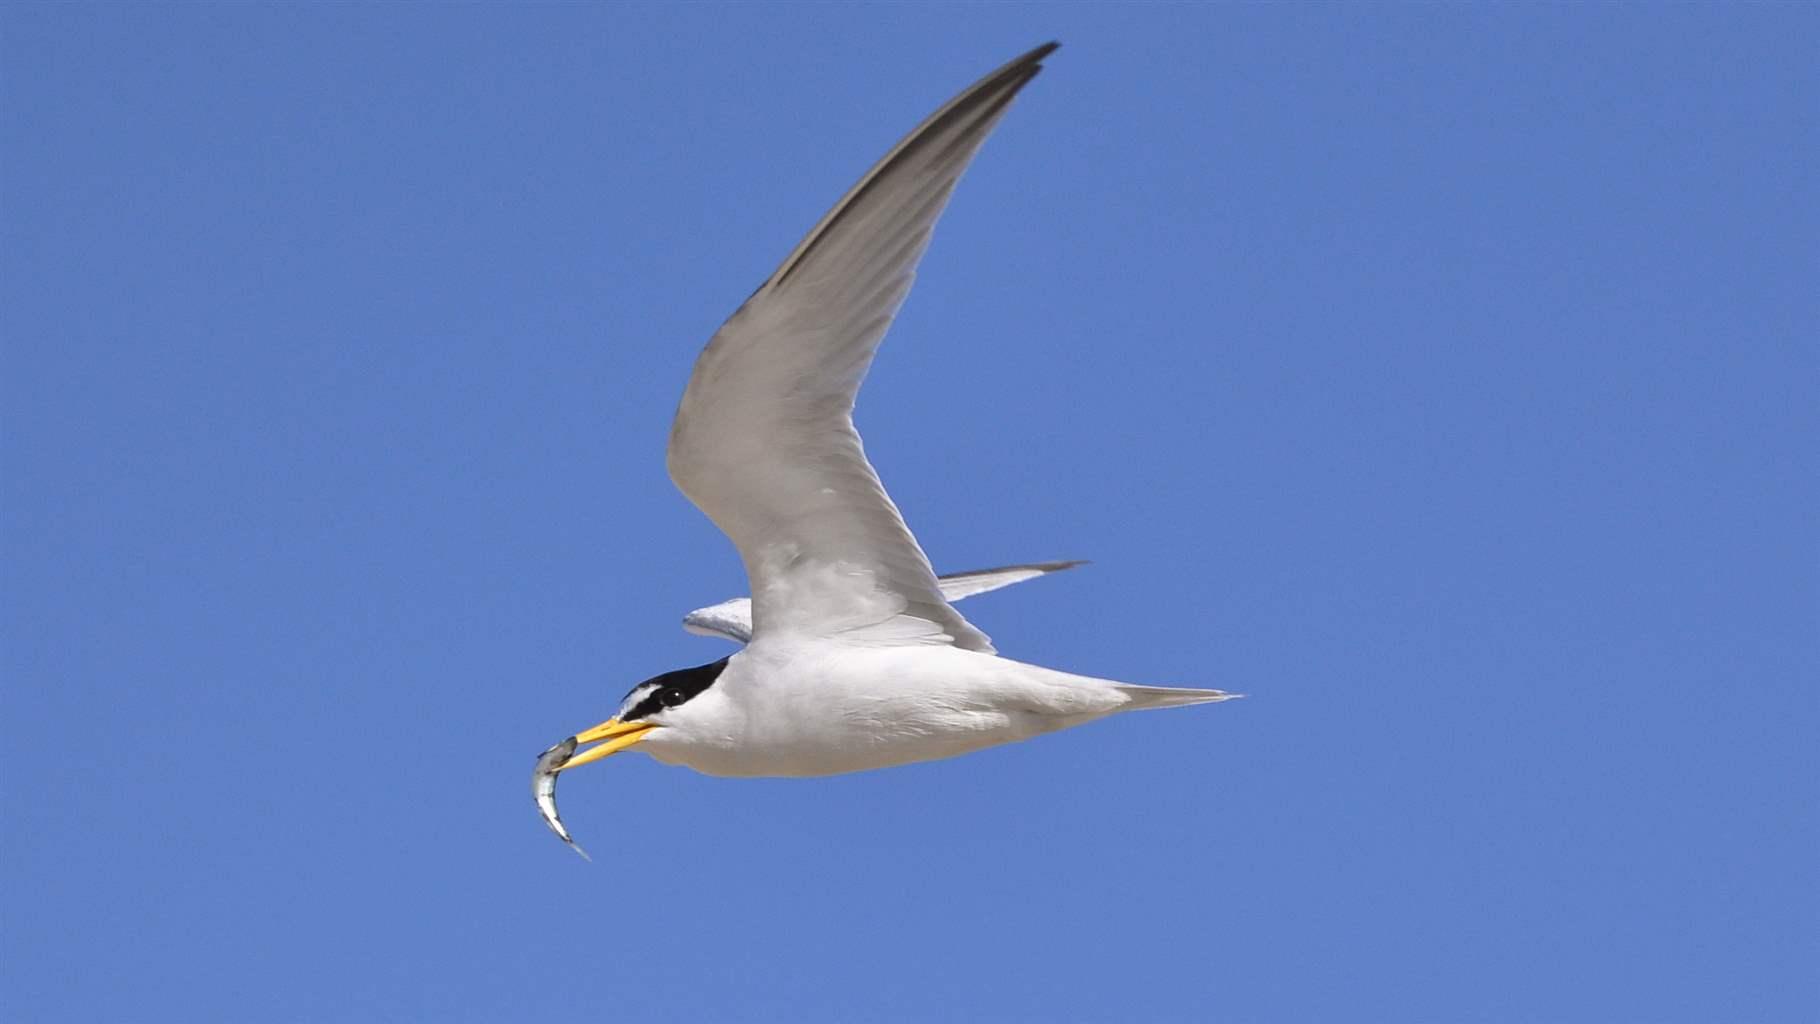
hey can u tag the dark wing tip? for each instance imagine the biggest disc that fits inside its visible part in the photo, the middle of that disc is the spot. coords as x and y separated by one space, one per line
965 119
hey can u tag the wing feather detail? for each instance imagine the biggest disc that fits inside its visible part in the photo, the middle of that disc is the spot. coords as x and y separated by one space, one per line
732 619
764 441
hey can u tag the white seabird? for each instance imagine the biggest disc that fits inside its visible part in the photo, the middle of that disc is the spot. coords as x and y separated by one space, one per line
855 657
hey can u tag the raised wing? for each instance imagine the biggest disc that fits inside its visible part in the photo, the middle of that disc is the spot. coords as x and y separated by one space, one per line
732 619
764 441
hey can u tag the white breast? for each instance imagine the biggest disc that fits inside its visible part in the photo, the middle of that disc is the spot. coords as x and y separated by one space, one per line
827 709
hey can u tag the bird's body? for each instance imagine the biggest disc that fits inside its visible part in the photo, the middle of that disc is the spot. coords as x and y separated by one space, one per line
857 658
783 708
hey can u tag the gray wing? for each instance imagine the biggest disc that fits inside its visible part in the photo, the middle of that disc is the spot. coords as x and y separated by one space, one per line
764 442
732 619
958 585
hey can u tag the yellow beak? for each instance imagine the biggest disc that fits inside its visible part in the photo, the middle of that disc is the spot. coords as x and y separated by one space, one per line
618 736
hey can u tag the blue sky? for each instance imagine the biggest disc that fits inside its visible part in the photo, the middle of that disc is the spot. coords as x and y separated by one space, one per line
1441 376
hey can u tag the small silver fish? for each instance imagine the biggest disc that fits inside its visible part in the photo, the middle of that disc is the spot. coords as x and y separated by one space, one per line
543 787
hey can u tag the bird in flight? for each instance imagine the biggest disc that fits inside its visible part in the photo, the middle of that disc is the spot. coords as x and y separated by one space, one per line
855 657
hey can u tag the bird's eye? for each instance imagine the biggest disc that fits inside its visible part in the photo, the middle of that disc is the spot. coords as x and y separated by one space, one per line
671 698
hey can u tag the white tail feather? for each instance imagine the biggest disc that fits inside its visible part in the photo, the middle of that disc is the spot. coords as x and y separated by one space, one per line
1144 698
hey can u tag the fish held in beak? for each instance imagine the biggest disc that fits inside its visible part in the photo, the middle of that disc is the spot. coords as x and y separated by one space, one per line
612 736
543 787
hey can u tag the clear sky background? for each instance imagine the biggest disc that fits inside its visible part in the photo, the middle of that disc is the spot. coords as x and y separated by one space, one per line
1443 377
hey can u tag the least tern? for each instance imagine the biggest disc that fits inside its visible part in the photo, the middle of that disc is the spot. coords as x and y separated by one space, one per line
855 656
732 620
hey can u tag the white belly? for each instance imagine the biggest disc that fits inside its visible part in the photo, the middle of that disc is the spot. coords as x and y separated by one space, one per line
837 755
828 712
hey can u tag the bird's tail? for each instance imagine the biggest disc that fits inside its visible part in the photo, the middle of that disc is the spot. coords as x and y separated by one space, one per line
1144 698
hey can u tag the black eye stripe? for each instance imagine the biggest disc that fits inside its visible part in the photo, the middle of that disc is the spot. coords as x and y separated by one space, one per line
673 689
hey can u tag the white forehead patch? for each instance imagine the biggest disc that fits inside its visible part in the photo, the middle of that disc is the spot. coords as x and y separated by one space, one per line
639 692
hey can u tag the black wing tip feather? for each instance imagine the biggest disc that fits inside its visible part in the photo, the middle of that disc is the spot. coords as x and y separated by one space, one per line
994 92
1025 66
